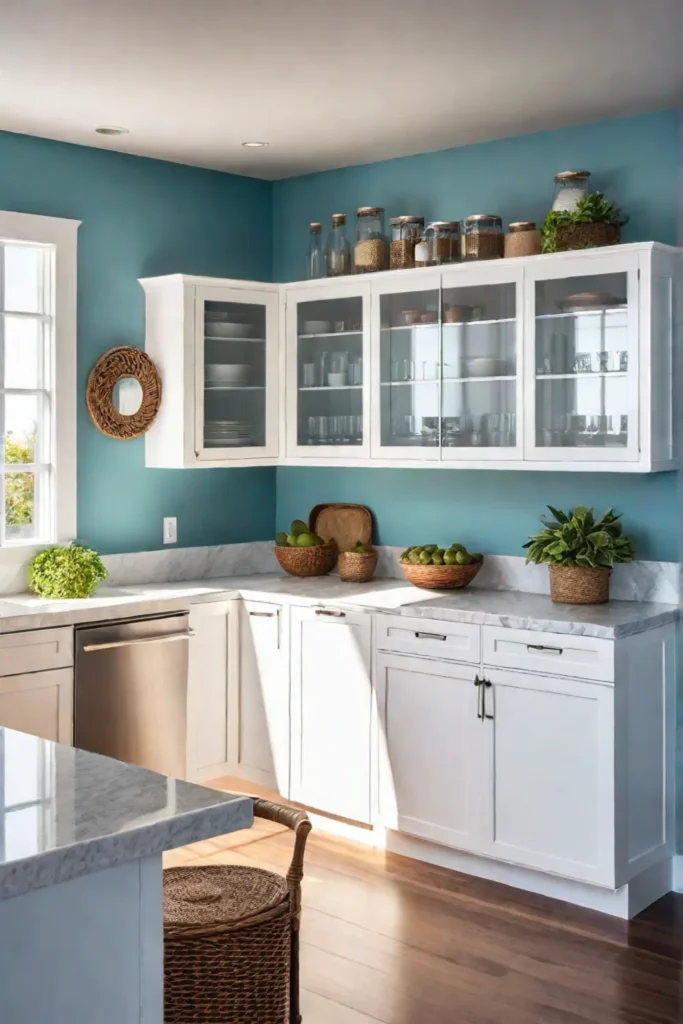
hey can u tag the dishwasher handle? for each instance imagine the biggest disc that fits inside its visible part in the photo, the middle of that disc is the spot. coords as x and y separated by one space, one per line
166 638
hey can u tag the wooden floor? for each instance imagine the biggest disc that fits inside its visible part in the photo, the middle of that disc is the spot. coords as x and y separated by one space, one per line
389 939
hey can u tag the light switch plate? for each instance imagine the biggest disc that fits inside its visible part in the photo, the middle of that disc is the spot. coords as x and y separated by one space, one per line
170 530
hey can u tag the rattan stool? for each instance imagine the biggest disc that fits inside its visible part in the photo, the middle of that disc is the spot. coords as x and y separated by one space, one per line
231 938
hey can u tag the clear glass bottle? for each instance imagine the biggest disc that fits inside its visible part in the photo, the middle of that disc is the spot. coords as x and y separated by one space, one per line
337 249
372 246
570 188
315 263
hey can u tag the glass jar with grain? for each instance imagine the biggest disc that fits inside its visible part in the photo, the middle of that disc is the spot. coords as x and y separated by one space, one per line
371 252
406 232
443 240
484 239
523 239
570 188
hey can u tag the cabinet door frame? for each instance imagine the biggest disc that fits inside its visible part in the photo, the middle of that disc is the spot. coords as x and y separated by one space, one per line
405 282
319 293
61 679
385 812
476 275
196 772
270 299
604 872
298 616
564 267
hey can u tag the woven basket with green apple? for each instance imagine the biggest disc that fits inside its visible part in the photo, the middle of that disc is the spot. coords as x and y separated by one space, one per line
303 553
435 568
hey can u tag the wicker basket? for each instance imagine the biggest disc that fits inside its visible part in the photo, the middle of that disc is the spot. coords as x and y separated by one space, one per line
571 584
587 236
231 937
315 561
440 577
357 567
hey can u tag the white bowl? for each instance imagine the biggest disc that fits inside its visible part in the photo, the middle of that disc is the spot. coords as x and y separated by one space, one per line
336 380
224 329
317 327
227 373
481 366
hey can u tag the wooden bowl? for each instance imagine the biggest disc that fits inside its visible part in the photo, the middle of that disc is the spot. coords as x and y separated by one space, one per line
440 577
315 561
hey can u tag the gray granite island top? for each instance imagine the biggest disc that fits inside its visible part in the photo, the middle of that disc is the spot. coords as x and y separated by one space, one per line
514 609
68 813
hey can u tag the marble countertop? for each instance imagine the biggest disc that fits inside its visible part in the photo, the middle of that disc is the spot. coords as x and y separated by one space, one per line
514 609
68 813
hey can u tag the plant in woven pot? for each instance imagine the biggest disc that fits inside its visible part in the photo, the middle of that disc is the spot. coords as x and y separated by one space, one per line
592 223
580 551
357 565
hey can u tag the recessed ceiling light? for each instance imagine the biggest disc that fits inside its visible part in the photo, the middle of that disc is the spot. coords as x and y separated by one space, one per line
112 129
255 145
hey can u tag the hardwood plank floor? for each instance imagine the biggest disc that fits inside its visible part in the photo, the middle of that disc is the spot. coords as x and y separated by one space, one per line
391 940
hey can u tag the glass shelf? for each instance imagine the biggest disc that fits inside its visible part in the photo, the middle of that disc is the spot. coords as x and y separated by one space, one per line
334 387
582 312
332 334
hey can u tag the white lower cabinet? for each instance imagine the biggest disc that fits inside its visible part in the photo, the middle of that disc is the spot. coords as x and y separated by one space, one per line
39 703
213 649
263 715
548 774
430 750
331 703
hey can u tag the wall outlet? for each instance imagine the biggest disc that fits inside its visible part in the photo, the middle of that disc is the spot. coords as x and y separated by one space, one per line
170 530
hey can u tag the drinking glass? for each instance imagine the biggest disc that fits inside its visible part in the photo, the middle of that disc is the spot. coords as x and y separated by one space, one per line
622 361
582 362
308 375
356 371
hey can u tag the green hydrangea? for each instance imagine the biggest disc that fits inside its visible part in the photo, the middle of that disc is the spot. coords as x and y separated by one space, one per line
66 572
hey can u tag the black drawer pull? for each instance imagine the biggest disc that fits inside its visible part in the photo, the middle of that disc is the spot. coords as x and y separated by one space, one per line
326 611
542 647
263 615
430 636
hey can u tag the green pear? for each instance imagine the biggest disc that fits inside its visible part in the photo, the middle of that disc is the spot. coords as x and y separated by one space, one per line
431 548
462 558
437 559
426 557
281 539
414 558
305 540
298 527
291 540
405 555
417 550
476 556
457 547
450 558
318 540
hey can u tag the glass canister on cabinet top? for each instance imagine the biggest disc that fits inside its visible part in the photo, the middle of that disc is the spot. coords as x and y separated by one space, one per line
443 242
406 232
484 238
570 188
371 252
337 249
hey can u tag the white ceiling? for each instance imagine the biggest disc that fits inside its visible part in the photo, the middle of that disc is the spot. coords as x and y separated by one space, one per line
328 83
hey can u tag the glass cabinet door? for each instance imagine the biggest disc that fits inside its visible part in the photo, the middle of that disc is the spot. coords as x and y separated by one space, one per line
584 404
236 374
407 331
327 371
481 377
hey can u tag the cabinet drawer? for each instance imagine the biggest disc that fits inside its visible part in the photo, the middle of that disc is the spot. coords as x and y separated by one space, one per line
36 650
407 634
557 654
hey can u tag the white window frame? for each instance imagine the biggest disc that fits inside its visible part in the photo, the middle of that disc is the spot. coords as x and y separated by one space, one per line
61 235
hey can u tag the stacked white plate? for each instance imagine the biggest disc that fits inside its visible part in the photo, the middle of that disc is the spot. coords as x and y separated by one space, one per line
226 434
226 374
219 325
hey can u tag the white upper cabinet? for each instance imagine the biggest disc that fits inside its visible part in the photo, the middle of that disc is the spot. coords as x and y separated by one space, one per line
215 345
556 362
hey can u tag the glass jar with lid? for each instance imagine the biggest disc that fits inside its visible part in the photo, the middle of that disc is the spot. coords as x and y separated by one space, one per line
371 252
443 241
406 232
484 239
523 239
337 249
570 188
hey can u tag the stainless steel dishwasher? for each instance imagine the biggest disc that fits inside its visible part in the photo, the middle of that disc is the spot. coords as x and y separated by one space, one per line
130 697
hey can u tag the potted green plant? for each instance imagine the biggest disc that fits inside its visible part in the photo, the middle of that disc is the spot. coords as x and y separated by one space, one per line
64 573
593 222
580 551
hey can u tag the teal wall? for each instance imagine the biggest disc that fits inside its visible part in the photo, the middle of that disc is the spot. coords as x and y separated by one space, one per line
141 218
634 160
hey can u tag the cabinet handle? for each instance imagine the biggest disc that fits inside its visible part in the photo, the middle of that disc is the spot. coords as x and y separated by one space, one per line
479 683
430 636
487 686
327 611
263 615
542 647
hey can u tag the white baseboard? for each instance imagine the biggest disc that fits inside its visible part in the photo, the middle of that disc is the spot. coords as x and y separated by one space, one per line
677 872
625 902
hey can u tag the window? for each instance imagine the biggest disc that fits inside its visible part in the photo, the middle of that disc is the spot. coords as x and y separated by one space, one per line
37 380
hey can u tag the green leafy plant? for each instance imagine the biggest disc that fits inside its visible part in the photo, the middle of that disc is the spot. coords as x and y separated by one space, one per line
578 538
19 489
66 572
594 209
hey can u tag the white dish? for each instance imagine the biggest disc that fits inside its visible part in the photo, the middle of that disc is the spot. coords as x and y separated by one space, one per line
481 366
225 329
317 327
227 373
336 380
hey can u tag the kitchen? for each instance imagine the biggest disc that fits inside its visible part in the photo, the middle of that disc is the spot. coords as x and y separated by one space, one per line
420 393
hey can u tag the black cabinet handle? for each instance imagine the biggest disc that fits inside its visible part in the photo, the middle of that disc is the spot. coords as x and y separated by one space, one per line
487 686
542 647
479 683
430 636
263 615
326 611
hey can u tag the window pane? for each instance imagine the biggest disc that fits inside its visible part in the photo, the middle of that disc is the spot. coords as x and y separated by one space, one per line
22 832
21 420
23 352
20 510
23 279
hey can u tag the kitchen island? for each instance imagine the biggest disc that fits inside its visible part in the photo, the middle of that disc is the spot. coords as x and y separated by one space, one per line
81 838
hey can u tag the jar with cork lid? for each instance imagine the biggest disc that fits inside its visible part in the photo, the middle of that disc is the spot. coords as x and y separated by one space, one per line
484 239
406 232
443 241
523 239
570 188
371 252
